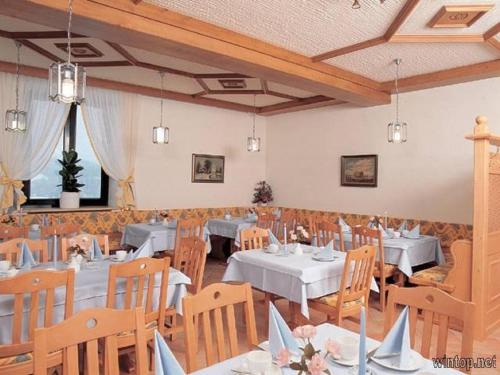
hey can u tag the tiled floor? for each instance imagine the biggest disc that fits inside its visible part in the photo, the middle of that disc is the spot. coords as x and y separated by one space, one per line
215 270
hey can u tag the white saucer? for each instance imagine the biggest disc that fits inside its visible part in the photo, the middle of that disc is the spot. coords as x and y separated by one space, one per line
275 370
115 259
416 363
323 259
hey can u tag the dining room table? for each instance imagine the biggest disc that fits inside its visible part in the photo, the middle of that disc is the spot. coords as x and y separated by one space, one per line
292 276
90 291
230 227
162 235
327 331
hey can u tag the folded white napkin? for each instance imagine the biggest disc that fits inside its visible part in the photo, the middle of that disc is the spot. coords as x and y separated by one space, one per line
145 251
280 335
25 259
272 238
397 340
384 233
165 362
345 227
414 233
95 251
403 226
326 252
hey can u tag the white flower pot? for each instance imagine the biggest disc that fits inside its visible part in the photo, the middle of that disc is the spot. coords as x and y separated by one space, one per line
69 200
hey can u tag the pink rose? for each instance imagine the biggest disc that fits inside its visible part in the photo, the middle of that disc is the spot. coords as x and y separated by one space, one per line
283 357
333 348
316 365
304 332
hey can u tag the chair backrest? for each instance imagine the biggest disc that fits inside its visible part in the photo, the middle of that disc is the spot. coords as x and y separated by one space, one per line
138 275
367 236
357 275
8 232
261 210
87 328
10 250
40 285
60 230
327 231
459 277
211 301
84 241
253 238
288 218
188 228
436 306
267 221
190 259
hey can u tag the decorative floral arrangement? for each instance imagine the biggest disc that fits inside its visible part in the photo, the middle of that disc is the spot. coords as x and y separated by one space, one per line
263 193
75 250
311 361
299 234
8 219
376 221
164 214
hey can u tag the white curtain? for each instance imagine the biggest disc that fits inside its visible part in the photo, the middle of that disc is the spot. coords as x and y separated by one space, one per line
23 156
110 119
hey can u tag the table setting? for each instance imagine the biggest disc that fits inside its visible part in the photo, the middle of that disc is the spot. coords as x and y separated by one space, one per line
230 227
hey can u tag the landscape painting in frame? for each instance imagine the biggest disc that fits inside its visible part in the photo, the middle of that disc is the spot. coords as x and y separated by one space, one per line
359 170
208 168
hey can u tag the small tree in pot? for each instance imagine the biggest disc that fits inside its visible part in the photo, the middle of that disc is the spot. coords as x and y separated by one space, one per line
263 193
70 195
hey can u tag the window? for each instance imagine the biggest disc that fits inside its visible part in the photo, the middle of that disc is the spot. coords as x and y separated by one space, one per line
44 190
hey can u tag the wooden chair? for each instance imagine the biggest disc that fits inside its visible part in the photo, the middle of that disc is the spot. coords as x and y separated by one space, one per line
16 358
253 238
191 260
8 232
138 275
264 210
327 231
354 289
435 306
288 218
87 328
212 300
11 249
366 236
84 241
188 228
59 231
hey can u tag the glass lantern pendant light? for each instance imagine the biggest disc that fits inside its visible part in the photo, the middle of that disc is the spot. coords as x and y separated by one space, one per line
253 143
67 80
15 120
161 133
396 131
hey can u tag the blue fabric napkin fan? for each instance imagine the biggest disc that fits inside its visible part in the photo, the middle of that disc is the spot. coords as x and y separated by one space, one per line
280 335
384 233
25 259
397 340
345 227
145 251
272 238
165 362
414 233
327 251
403 227
95 251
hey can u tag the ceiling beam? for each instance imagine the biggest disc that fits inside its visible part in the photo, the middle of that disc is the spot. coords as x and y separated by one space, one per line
495 43
461 74
136 89
437 38
401 18
491 33
298 105
39 50
161 31
43 35
349 49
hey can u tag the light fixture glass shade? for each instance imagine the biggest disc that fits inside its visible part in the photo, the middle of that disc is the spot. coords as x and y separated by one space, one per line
160 135
15 120
396 132
67 83
253 144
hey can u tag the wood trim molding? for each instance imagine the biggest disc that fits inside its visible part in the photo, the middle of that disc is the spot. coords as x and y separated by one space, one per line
491 33
401 18
42 35
349 49
462 74
298 105
39 49
437 38
493 42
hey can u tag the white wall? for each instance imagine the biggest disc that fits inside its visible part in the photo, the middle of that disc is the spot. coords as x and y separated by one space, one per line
163 172
429 177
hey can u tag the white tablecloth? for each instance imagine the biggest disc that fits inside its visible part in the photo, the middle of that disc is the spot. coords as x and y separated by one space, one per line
325 331
163 236
230 228
90 291
295 277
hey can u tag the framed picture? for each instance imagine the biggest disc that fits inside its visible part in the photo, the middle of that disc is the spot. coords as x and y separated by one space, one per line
359 170
208 168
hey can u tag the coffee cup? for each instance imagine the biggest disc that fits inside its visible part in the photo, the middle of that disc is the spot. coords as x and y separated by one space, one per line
397 234
4 265
349 348
259 362
35 227
273 248
227 217
121 254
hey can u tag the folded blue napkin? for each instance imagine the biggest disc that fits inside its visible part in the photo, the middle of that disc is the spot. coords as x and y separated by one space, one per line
272 238
280 335
384 233
145 251
371 225
397 341
345 227
326 252
95 251
403 226
165 362
25 258
251 217
414 233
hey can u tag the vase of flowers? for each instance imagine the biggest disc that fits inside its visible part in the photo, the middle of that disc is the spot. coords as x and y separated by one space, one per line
312 361
263 194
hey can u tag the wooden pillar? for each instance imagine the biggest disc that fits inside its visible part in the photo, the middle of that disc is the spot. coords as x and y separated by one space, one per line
480 223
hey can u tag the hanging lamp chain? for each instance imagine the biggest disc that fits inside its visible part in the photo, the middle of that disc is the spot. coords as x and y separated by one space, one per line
162 74
18 45
70 16
398 62
254 115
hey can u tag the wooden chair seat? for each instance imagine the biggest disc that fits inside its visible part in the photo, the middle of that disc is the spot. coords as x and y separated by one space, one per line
151 326
389 270
332 299
23 363
15 359
434 276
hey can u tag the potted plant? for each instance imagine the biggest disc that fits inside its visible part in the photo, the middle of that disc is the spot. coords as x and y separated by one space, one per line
70 195
263 194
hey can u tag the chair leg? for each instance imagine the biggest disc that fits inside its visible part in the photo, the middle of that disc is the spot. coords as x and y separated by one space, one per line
267 300
401 278
382 293
173 324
